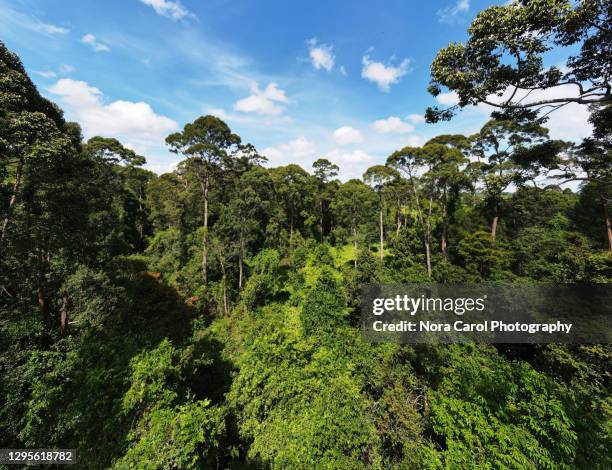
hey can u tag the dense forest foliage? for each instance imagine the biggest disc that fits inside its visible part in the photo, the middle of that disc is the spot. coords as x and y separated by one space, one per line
208 317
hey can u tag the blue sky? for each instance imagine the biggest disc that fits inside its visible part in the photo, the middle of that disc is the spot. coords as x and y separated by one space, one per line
300 80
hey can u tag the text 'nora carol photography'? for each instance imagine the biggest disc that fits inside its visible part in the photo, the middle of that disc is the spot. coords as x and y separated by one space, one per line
447 313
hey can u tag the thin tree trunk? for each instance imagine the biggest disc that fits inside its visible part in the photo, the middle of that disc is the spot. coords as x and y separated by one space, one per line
205 237
291 232
608 225
141 215
428 237
12 201
64 314
42 304
240 263
495 220
423 228
444 230
42 301
321 222
399 215
382 238
428 257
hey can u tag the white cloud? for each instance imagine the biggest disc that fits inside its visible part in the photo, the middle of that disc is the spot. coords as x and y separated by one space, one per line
46 73
343 71
567 123
97 46
170 9
321 55
350 158
133 122
263 101
347 135
49 28
383 75
293 151
63 69
448 99
416 118
352 164
570 123
453 13
392 125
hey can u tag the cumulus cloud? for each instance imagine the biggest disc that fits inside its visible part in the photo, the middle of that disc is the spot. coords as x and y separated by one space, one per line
170 9
133 122
383 75
96 45
350 158
263 101
352 163
297 149
321 55
392 125
454 13
346 135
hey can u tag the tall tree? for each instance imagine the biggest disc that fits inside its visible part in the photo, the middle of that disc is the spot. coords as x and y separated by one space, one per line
504 148
31 131
502 62
244 218
410 161
295 190
379 177
324 170
448 176
206 143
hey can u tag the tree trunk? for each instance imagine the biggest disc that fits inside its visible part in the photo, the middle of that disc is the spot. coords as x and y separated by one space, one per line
321 221
205 237
12 201
428 257
428 237
42 304
399 215
291 231
42 301
240 263
141 217
423 228
608 225
494 227
495 220
64 314
444 231
382 238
